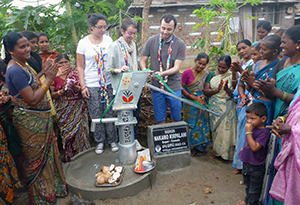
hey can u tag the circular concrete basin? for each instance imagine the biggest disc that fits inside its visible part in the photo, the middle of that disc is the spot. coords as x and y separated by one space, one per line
80 176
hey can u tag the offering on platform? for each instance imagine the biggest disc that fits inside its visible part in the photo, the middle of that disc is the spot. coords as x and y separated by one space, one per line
143 162
109 176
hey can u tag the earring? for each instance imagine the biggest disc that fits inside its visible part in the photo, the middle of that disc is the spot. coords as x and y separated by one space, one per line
297 47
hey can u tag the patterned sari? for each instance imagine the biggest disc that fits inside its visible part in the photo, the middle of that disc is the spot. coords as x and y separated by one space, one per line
223 129
286 184
287 80
9 179
72 117
262 73
198 120
43 170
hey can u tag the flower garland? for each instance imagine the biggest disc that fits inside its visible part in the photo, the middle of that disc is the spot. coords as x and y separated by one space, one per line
125 54
165 78
101 73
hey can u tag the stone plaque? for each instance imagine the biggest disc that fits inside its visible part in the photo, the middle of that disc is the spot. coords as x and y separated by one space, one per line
170 139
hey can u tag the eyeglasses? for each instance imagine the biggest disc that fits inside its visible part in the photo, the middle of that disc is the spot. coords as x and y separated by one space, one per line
101 27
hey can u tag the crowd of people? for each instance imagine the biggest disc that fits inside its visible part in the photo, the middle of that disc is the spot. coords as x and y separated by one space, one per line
48 101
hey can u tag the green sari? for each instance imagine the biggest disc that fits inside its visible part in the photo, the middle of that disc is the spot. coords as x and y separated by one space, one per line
43 170
223 129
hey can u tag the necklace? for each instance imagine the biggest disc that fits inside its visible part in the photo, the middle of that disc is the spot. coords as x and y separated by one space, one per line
101 73
165 78
125 53
28 68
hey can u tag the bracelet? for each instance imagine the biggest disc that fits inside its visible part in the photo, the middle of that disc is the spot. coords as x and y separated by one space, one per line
284 96
282 118
248 133
112 71
59 92
44 87
234 80
241 96
83 88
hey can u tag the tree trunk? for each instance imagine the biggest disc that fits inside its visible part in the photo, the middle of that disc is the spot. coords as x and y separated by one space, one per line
73 29
145 24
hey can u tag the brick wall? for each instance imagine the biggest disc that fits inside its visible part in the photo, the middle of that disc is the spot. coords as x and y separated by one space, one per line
186 20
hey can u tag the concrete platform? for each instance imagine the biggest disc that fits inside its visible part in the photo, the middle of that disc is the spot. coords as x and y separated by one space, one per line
80 176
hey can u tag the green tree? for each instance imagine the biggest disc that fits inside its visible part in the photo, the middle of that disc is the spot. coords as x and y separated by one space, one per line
64 28
226 10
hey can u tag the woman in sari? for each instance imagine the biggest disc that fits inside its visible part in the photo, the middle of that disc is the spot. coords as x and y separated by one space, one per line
193 80
72 114
282 86
269 50
35 60
218 86
244 51
33 122
286 184
9 180
43 43
36 63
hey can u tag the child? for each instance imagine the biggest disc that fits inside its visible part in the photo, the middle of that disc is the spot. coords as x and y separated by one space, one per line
253 152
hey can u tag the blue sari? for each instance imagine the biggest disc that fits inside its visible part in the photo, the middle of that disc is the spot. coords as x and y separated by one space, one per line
241 121
198 120
263 73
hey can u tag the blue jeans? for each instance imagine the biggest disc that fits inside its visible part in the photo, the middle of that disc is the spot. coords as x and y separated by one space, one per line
160 103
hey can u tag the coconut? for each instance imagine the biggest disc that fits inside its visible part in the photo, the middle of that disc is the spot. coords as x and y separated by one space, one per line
112 180
100 180
112 167
117 176
99 174
107 176
105 169
119 169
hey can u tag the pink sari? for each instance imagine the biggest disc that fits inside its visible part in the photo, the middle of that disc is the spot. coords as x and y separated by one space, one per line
286 185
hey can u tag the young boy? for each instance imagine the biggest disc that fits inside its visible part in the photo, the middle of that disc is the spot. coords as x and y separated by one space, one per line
253 152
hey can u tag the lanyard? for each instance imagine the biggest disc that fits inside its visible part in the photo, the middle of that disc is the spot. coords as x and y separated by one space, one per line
165 78
101 73
125 54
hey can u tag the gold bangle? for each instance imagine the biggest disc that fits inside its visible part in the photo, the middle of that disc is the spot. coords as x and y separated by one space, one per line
284 96
282 118
83 88
44 87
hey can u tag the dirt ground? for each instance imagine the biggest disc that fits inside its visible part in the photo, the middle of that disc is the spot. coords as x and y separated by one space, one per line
185 186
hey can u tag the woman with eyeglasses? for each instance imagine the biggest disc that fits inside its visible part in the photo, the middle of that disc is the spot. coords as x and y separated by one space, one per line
94 81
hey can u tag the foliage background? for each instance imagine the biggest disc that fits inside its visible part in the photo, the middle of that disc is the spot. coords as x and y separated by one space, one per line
65 23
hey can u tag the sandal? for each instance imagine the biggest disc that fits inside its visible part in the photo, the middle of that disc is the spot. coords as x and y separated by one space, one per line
213 157
201 153
16 195
193 152
236 171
